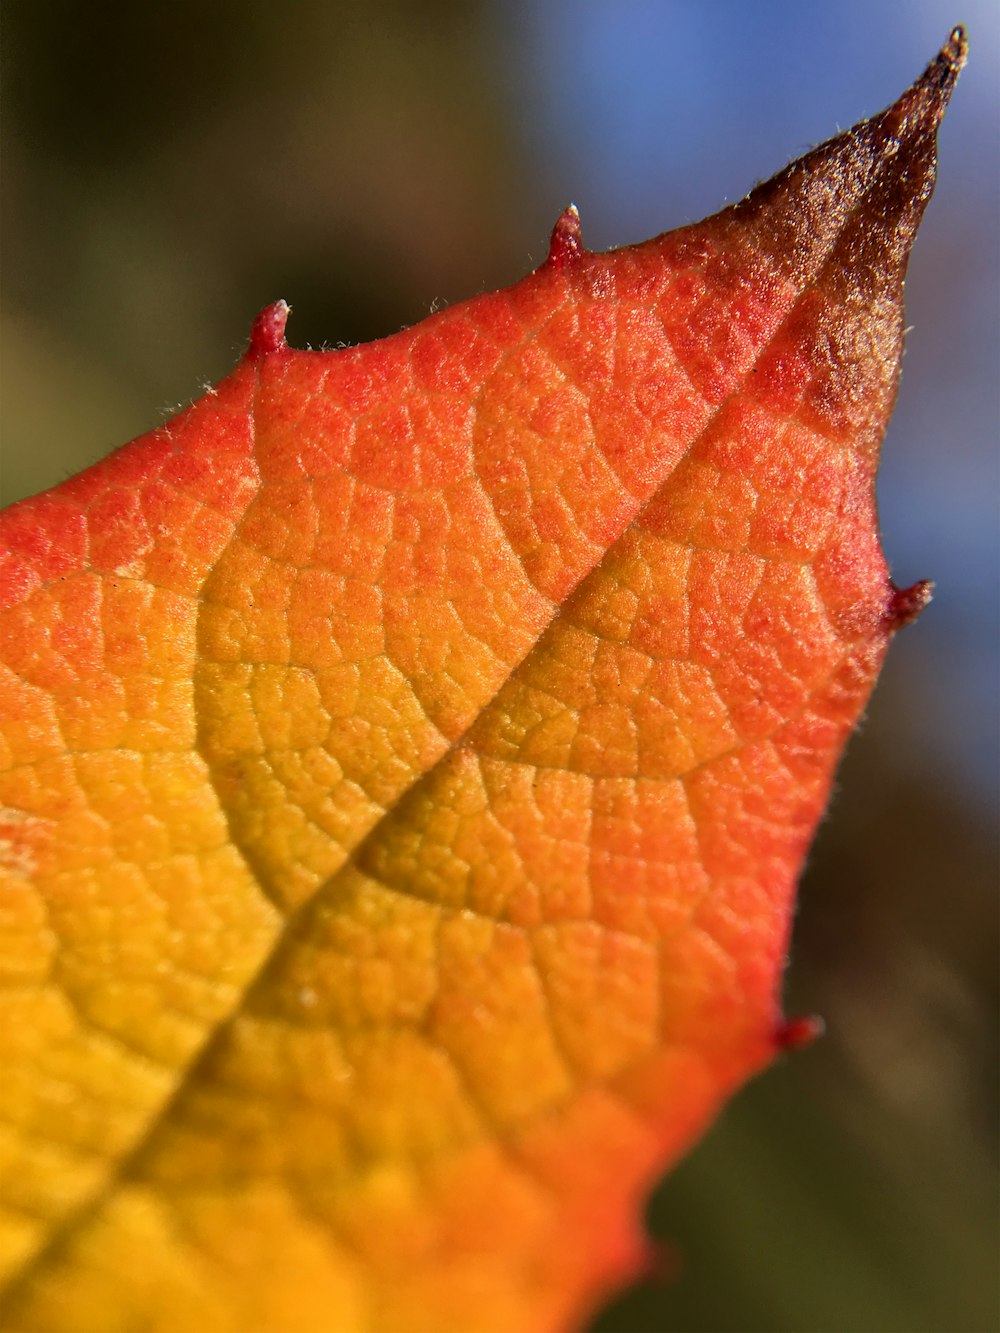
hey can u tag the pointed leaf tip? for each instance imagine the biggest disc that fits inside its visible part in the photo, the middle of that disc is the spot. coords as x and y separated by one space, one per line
852 205
923 105
567 238
267 333
942 73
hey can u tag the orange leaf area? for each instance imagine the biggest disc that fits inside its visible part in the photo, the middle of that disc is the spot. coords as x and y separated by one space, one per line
409 753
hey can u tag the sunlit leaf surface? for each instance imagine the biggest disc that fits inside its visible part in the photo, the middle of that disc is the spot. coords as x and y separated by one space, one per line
409 755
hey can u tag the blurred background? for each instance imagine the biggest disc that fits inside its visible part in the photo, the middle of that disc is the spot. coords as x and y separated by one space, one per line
170 168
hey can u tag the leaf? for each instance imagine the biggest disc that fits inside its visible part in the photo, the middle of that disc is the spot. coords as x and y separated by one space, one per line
409 754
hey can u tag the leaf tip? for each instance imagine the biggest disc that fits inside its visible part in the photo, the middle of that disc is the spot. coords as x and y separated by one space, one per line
922 106
906 604
920 109
267 334
794 1034
566 243
941 75
853 204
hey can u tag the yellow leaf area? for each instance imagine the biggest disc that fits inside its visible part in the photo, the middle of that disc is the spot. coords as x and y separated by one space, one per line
408 755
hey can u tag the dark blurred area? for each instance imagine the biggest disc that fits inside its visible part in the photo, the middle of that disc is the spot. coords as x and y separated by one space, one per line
169 169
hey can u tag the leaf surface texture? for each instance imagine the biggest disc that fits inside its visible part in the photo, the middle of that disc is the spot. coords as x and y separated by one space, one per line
409 753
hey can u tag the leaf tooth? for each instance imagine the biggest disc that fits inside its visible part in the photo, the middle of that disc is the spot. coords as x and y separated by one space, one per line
267 334
905 604
566 244
796 1033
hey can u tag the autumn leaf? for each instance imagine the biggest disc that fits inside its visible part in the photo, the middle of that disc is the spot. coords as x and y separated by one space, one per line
409 754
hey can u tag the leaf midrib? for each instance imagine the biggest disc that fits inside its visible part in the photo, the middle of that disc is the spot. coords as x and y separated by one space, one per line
62 1234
